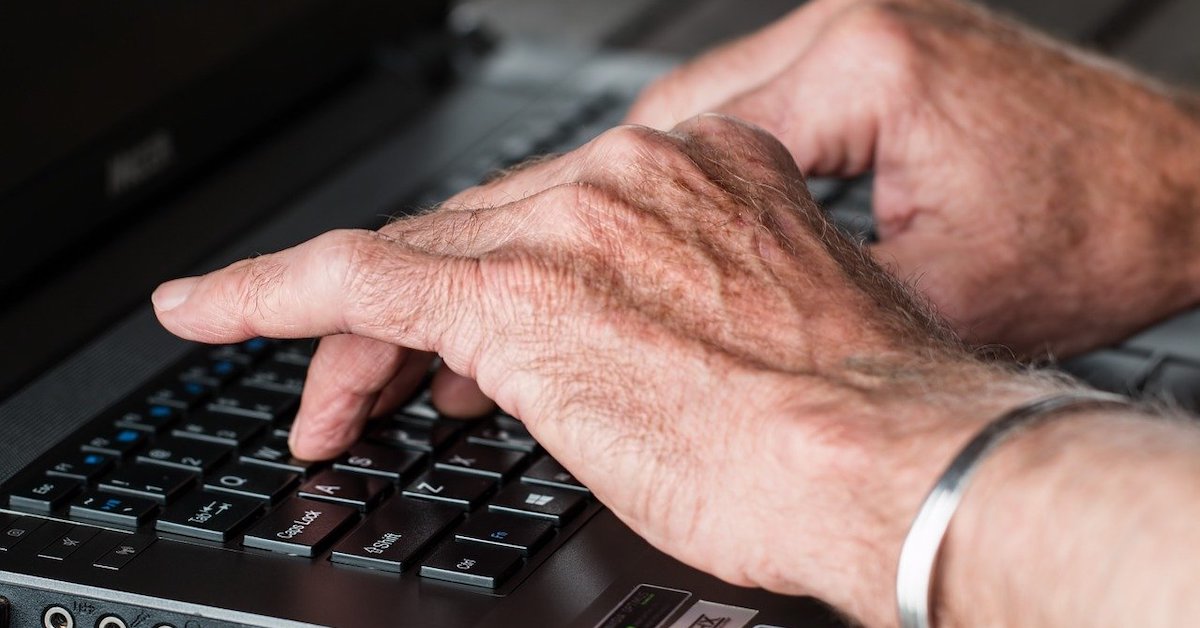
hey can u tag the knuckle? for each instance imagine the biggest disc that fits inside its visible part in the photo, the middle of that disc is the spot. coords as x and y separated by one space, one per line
588 208
516 274
582 196
882 17
630 142
722 130
882 31
641 159
721 145
758 143
356 266
350 257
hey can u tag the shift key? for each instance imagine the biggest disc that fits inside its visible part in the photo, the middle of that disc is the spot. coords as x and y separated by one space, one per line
394 534
299 527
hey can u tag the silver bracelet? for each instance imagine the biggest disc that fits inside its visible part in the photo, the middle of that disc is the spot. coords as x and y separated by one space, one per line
918 555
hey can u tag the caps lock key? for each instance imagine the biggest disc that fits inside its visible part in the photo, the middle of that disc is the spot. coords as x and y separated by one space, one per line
299 527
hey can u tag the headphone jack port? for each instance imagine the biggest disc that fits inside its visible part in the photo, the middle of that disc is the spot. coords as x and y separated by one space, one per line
111 621
57 617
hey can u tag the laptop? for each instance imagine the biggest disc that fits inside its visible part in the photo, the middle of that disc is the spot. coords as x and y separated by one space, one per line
145 482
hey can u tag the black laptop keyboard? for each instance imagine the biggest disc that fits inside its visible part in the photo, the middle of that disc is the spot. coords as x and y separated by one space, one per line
201 455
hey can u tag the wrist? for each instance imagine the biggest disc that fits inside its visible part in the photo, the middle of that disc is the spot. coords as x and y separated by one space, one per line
1067 525
882 448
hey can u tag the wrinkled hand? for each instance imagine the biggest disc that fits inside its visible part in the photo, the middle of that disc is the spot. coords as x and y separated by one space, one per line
1039 196
675 321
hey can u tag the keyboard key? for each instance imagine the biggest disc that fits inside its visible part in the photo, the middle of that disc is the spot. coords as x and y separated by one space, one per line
507 421
548 472
224 429
552 504
1177 381
177 394
299 527
42 494
66 545
124 551
18 531
257 482
351 489
471 563
459 489
278 376
519 533
297 352
186 454
413 435
256 403
272 451
284 428
161 484
244 353
117 510
385 462
492 434
120 442
211 373
491 462
82 466
420 407
152 418
394 535
207 516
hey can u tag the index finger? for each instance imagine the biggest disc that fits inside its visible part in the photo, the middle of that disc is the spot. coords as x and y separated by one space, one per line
349 281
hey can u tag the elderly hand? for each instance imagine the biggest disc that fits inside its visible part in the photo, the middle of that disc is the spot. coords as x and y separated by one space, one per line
675 321
1039 196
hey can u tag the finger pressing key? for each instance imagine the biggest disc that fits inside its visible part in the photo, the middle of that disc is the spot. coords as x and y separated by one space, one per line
344 383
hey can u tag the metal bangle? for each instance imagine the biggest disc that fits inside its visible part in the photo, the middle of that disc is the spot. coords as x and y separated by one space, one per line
918 555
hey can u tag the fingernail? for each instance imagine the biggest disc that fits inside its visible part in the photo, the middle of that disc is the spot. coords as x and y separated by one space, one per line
172 294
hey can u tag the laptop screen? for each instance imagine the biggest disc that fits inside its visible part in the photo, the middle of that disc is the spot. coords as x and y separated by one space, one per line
108 102
92 64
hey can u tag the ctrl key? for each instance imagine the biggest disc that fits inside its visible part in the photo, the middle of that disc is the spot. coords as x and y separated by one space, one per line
299 527
468 563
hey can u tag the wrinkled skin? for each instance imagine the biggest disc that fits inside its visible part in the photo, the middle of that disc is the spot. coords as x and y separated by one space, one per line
659 309
1042 198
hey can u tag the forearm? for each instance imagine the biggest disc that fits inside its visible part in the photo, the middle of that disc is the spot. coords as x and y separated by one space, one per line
1089 520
